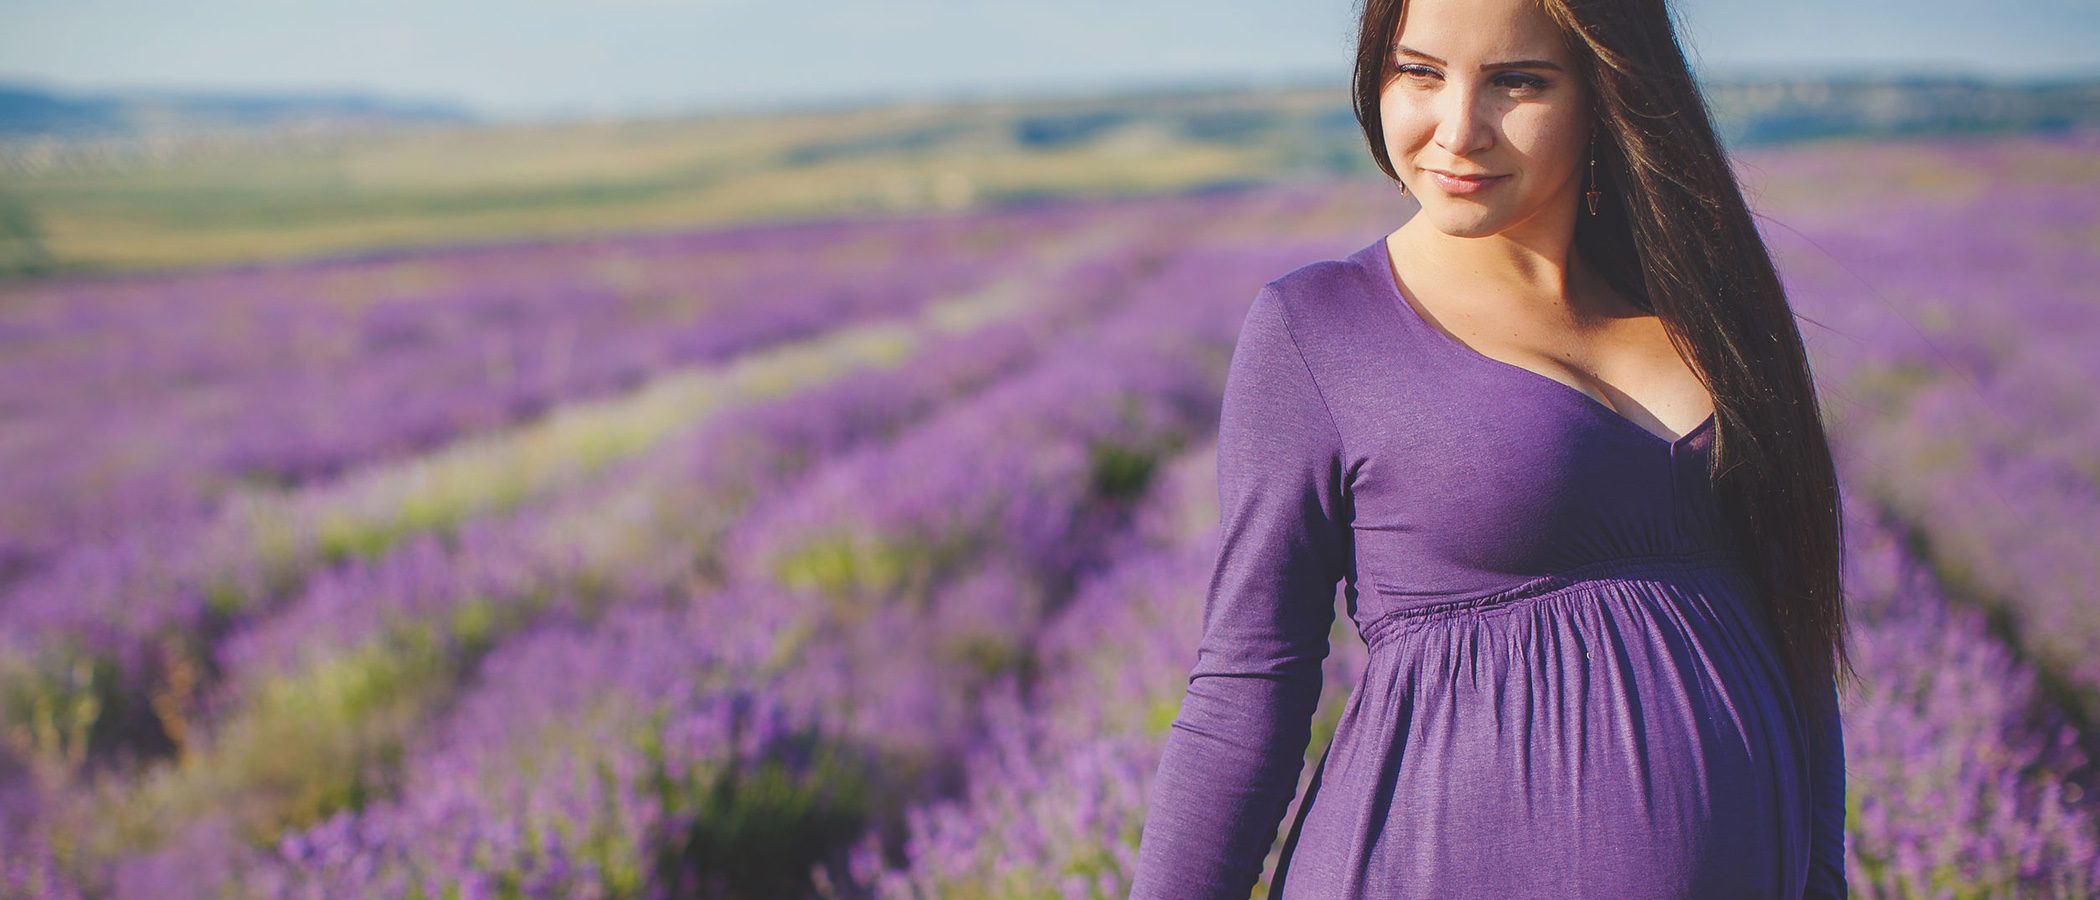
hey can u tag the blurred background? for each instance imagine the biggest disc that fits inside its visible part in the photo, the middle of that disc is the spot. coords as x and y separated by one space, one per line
724 449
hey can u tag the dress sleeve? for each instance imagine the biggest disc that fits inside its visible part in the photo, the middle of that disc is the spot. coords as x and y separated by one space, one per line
1232 759
1826 858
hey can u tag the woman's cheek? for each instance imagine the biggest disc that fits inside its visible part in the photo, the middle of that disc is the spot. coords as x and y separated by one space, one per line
1405 132
1547 135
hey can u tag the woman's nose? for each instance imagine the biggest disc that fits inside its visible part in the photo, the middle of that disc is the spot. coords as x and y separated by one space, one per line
1462 127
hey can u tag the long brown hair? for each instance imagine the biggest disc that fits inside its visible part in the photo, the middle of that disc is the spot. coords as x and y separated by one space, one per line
1672 232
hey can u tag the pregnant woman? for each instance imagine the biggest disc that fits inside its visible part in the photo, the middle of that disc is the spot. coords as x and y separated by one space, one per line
1557 438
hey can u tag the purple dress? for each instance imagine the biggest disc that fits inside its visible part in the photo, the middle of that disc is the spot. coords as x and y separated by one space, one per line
1572 687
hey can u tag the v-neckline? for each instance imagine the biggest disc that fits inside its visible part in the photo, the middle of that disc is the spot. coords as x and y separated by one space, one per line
1390 278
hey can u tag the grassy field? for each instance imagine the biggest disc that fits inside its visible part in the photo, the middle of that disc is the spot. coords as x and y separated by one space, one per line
471 183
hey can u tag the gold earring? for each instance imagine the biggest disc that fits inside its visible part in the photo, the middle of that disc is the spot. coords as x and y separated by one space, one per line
1592 194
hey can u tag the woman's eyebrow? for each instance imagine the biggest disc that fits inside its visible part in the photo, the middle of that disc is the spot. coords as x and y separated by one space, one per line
1510 64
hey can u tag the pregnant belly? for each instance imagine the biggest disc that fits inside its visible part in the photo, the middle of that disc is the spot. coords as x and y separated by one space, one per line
1611 738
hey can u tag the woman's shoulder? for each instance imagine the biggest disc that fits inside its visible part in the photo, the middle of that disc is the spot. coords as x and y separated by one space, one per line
1325 305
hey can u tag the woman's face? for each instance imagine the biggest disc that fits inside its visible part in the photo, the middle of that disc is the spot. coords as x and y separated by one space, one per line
1485 87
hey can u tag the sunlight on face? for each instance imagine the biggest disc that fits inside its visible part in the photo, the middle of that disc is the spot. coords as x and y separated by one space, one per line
1472 89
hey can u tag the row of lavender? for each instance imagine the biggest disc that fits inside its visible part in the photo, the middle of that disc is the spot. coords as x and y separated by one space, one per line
1015 465
177 390
314 689
114 648
359 623
1959 771
1958 331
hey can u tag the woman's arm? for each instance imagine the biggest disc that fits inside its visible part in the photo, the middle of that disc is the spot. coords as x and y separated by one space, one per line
1232 759
1826 858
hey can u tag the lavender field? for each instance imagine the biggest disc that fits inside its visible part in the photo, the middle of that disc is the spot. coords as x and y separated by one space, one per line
866 558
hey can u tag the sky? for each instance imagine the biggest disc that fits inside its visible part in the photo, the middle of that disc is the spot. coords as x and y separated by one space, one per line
523 59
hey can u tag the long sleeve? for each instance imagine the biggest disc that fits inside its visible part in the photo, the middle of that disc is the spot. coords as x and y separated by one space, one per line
1232 759
1826 860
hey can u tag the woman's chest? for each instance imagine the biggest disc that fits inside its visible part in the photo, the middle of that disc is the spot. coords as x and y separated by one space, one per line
1456 477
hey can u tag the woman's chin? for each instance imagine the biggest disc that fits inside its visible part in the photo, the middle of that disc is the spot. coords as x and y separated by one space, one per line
1461 219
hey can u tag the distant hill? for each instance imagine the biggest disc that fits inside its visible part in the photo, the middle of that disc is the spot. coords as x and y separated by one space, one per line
1779 111
1750 111
27 111
139 181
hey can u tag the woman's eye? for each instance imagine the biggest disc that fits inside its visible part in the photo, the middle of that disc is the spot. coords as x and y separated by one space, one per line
1525 82
1513 80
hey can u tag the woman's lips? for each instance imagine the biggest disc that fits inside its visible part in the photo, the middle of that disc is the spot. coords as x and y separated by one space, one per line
1455 185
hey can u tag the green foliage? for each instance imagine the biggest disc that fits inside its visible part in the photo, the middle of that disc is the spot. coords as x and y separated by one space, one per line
1888 387
51 709
837 565
344 538
847 567
225 598
1324 723
22 250
1119 471
324 739
761 824
1162 711
990 655
476 625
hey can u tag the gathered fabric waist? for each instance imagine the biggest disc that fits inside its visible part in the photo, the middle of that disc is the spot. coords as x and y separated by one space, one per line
1659 567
